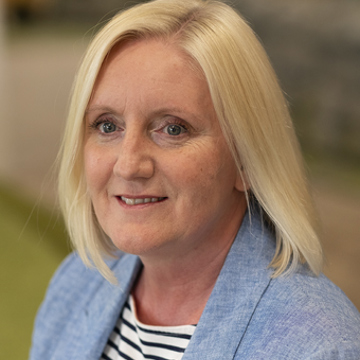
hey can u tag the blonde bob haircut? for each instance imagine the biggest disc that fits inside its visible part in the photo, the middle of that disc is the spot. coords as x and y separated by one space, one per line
251 110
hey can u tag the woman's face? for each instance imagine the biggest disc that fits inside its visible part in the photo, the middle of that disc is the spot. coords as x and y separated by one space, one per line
159 172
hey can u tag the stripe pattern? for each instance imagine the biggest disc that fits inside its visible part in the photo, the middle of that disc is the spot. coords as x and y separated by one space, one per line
132 340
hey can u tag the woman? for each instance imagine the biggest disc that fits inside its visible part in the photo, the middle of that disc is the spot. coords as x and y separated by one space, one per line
180 162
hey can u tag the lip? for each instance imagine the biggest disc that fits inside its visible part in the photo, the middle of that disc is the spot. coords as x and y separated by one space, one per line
131 201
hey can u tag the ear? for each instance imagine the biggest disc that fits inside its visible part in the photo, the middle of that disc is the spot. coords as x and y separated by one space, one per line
241 182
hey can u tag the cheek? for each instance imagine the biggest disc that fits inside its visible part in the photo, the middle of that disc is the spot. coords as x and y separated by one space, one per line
186 168
203 170
97 167
216 165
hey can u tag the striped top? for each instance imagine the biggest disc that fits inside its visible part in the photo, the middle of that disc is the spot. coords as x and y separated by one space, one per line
132 340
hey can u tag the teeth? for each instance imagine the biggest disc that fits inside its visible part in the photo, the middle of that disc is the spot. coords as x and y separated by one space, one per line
140 201
130 201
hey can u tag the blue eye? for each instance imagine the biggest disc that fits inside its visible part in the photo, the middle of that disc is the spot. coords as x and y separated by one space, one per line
107 127
174 129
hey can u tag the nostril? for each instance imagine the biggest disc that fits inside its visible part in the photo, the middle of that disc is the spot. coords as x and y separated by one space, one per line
134 165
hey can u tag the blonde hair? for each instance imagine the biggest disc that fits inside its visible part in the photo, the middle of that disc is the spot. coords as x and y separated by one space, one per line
250 107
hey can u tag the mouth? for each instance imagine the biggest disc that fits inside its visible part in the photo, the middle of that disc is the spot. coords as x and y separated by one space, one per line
138 201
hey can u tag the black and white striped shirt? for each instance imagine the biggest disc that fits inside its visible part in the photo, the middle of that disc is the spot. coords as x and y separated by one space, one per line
132 340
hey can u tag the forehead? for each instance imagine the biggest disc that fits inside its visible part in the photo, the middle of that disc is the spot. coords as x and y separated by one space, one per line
149 55
152 70
149 47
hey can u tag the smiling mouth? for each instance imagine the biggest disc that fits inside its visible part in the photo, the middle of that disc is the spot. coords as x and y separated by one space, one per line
137 201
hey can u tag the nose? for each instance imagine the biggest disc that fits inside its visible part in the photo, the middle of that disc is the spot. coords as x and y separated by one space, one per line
134 159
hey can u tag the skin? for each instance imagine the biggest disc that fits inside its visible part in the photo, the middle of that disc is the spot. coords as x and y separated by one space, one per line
152 132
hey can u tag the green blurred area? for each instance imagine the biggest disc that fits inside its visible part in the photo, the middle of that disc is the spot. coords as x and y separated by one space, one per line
33 243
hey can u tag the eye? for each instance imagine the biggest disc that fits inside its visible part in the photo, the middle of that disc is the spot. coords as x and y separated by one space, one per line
174 129
107 127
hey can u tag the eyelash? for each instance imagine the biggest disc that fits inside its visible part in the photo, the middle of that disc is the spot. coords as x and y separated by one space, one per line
175 122
96 123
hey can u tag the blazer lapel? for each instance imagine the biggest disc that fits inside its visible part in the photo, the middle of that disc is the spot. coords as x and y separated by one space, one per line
103 311
242 281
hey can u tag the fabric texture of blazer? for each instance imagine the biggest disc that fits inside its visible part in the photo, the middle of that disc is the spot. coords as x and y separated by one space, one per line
249 315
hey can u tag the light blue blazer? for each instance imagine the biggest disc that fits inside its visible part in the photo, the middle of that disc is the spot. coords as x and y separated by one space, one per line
249 315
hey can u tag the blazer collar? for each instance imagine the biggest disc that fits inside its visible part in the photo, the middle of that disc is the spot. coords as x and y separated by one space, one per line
243 279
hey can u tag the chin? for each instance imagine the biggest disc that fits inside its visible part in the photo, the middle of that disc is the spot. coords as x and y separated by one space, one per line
136 245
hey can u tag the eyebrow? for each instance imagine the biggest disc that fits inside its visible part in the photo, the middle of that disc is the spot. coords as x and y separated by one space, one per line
99 108
161 110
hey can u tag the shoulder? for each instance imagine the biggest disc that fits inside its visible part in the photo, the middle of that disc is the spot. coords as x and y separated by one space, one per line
73 291
69 290
72 280
310 316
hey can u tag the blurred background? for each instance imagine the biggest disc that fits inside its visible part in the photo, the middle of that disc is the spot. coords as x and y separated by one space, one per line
314 46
